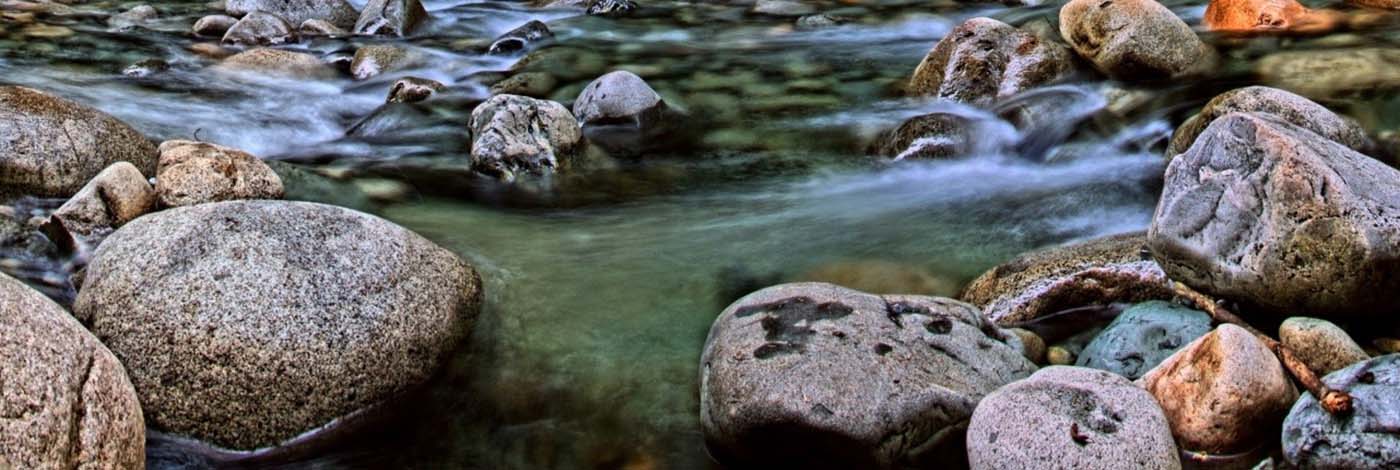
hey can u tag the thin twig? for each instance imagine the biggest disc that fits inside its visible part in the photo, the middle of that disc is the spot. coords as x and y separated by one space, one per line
1334 401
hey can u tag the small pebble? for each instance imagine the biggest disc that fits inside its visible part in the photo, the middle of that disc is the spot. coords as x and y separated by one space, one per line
1059 356
1386 345
1034 345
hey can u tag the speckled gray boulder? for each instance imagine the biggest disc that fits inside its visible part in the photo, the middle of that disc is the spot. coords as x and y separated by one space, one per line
1287 106
1134 39
65 402
618 97
1274 216
516 135
983 60
1367 438
1142 337
247 323
1320 344
817 375
197 172
277 62
1091 273
260 29
114 197
51 146
1070 418
337 12
391 17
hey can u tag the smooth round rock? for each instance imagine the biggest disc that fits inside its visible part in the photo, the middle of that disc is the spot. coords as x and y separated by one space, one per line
1070 418
1321 345
117 195
336 12
65 401
51 146
213 26
1290 107
277 62
1369 437
619 96
245 324
1134 39
197 172
1142 337
260 29
817 375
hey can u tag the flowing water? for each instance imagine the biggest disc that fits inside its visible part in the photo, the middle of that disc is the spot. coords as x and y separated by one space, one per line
601 286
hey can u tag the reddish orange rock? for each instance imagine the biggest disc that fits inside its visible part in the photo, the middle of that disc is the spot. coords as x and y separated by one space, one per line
1268 16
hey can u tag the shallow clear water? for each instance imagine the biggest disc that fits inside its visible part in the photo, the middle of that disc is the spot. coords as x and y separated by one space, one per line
601 288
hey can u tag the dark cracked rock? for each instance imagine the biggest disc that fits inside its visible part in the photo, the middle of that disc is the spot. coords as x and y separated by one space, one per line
391 17
818 375
1369 437
515 135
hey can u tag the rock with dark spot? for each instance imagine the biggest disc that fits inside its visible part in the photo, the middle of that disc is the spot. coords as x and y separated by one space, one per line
276 62
391 17
413 90
984 60
51 147
1224 393
66 402
1287 106
260 29
1070 418
216 306
619 97
337 12
1322 346
213 26
526 37
117 195
1276 217
1092 273
896 377
1142 337
1368 437
1134 39
376 59
197 173
516 135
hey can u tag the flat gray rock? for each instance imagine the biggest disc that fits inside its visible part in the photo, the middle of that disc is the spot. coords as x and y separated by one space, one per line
1368 438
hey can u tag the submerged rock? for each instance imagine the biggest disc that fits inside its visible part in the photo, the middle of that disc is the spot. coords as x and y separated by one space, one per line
260 29
277 62
321 28
1134 39
197 173
1142 337
1274 216
1070 418
1368 437
52 146
817 375
117 195
391 17
881 277
930 136
1321 345
67 402
984 60
279 308
514 135
1224 393
337 12
528 36
413 90
1332 73
1285 105
136 16
376 59
531 84
1092 273
611 8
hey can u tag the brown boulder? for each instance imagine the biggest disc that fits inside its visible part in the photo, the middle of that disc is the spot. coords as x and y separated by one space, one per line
984 60
119 194
51 146
1268 16
196 173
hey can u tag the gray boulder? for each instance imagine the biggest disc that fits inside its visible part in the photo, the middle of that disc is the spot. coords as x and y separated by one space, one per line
276 62
247 323
196 173
391 17
337 12
527 36
817 375
260 29
619 97
1368 437
514 135
1134 39
213 26
53 146
1274 216
1287 106
66 402
1142 337
119 194
984 60
1070 418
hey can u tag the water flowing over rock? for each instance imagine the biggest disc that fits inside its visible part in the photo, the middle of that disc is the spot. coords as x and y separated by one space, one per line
1142 337
514 135
66 401
823 376
117 195
984 60
196 173
1274 216
260 29
1321 345
528 36
413 90
245 324
376 59
1088 274
53 146
1285 105
1070 417
1223 393
391 17
337 12
1134 39
277 62
932 136
1368 437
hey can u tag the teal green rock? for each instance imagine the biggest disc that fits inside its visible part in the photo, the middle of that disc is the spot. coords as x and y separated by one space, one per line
1142 337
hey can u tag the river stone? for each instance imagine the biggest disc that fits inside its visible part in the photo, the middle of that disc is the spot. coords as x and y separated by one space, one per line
1274 216
619 97
1134 39
514 135
984 60
51 146
932 136
119 194
392 17
1224 393
1386 4
809 374
1239 17
337 12
413 90
1287 106
277 62
321 28
375 59
213 26
65 399
527 36
197 173
1070 418
1142 337
1369 437
248 323
260 29
611 8
1332 73
531 84
1321 345
136 16
1091 273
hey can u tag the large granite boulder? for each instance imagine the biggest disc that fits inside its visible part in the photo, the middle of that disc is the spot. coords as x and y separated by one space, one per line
983 60
245 324
516 135
815 375
1134 39
337 12
65 401
1285 105
1277 217
1368 437
51 146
